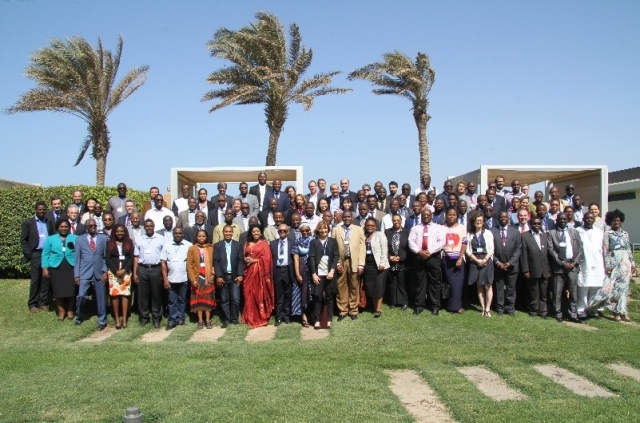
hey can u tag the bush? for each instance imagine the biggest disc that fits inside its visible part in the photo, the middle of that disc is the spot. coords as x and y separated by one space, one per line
17 204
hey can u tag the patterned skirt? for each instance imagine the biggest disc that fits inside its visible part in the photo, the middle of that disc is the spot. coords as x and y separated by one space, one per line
119 286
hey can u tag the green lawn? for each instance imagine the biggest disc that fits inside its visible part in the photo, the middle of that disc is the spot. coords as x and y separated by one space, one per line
47 376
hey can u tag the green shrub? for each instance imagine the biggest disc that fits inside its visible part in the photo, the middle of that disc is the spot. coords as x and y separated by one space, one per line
17 204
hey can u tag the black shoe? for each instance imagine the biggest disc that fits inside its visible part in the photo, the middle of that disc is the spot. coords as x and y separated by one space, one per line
78 322
354 316
392 307
341 318
170 326
559 319
224 325
435 312
417 311
101 327
500 313
277 323
404 308
512 314
235 322
576 320
144 322
287 321
180 323
156 325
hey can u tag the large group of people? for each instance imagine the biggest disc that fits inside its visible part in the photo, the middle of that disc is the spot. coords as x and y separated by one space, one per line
273 252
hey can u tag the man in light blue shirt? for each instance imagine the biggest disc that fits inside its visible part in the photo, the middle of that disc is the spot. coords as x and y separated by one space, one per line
147 274
174 276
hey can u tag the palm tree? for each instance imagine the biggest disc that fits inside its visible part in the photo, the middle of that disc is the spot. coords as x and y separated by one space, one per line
266 71
398 75
74 78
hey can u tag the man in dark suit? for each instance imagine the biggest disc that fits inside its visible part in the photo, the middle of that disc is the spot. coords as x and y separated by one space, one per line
414 219
228 264
363 215
33 234
497 201
444 195
535 267
565 252
314 195
75 227
90 270
277 193
547 223
191 231
266 216
216 215
283 273
490 221
222 191
346 193
406 190
129 208
506 259
56 213
260 189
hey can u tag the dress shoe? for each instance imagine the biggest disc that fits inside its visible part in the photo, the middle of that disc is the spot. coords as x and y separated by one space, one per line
392 307
417 311
235 322
144 322
180 322
354 316
500 313
78 322
156 325
512 314
559 319
170 326
287 321
435 312
377 314
576 320
102 327
404 308
277 323
341 318
34 309
224 325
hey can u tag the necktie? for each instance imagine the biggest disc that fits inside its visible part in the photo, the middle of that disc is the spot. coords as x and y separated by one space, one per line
462 220
281 258
57 215
128 221
347 235
425 236
73 227
362 222
521 229
92 244
504 237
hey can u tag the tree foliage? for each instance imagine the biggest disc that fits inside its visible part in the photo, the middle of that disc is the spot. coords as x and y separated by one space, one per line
75 78
17 204
397 74
265 70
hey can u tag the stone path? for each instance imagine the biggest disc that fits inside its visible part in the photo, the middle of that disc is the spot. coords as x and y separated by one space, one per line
261 334
310 334
100 335
582 326
418 398
156 335
577 384
625 370
490 384
207 335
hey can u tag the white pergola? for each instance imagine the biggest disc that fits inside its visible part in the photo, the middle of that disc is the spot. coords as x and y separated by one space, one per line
591 182
195 176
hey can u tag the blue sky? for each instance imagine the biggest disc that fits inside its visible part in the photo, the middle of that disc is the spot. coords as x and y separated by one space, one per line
517 82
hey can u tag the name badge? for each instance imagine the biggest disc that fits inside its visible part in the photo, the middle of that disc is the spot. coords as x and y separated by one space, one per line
147 252
64 249
41 235
121 257
325 258
201 264
450 240
562 244
617 247
119 209
346 242
479 250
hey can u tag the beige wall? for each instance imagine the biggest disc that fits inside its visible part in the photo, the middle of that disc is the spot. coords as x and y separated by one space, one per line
631 210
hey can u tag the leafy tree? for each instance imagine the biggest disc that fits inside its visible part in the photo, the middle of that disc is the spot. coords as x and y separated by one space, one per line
265 70
398 75
74 78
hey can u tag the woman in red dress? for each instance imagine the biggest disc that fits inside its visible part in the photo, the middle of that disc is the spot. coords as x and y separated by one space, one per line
201 275
257 285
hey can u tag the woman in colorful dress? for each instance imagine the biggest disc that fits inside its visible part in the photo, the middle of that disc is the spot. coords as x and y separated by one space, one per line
480 253
257 285
453 266
201 276
58 259
620 266
301 289
119 258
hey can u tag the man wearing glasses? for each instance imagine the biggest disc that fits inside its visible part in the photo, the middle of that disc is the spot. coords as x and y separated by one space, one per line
283 273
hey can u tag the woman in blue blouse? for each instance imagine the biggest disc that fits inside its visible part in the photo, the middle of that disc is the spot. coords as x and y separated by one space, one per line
58 258
301 290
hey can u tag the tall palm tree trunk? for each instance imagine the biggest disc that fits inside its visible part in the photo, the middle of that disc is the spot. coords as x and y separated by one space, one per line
423 147
272 150
101 170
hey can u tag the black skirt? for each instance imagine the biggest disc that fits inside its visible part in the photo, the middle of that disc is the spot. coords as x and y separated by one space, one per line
374 280
62 282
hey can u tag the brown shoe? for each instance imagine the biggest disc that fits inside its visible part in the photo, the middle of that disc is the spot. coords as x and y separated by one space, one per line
34 309
461 311
44 308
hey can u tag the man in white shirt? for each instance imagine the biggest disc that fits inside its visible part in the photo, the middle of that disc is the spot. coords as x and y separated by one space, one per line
592 270
182 203
174 276
158 212
314 196
425 185
387 223
310 218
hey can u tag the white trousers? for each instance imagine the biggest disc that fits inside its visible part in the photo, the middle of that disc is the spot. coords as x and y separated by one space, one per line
585 293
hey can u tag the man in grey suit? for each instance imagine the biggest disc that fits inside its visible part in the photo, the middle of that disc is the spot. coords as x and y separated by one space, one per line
90 269
242 220
506 259
565 252
252 200
187 217
535 267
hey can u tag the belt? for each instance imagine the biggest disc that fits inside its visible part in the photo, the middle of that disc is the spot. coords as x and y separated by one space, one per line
228 274
282 267
149 266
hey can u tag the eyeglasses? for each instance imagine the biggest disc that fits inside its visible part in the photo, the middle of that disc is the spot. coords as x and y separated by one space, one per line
91 226
282 231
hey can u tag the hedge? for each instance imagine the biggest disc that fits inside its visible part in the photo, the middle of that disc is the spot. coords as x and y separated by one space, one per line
17 204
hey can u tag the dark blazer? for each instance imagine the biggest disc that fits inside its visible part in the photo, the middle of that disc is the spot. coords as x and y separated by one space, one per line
112 258
274 255
220 259
445 197
404 243
283 200
352 195
411 221
263 217
499 205
212 217
510 252
122 220
551 224
80 229
494 223
29 238
191 231
555 254
533 258
315 255
214 200
255 190
357 220
441 218
51 221
320 197
90 264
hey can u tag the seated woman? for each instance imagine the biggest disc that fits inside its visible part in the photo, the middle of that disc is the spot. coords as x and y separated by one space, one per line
480 252
323 260
201 276
375 265
257 285
119 258
58 259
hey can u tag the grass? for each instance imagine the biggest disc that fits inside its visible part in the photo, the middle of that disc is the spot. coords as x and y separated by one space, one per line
49 377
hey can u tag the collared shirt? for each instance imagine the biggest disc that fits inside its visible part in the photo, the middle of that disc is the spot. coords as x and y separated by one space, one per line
149 248
536 236
227 248
181 204
175 256
314 200
502 192
157 216
191 216
42 233
203 207
283 247
311 221
425 190
436 241
136 233
168 235
262 189
334 203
